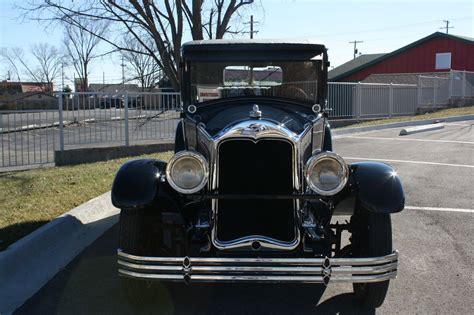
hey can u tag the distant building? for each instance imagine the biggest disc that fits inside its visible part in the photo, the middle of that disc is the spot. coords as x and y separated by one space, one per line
436 54
9 88
360 61
113 88
79 85
29 100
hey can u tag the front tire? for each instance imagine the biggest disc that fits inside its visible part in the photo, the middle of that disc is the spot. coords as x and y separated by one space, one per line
371 237
141 233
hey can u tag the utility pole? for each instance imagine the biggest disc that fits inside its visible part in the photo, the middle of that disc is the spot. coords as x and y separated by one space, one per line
123 71
103 80
355 46
447 27
62 76
251 27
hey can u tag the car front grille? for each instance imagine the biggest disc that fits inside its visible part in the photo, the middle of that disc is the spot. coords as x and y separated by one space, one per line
249 168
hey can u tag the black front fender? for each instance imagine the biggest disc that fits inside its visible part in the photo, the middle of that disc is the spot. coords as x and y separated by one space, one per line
378 187
137 183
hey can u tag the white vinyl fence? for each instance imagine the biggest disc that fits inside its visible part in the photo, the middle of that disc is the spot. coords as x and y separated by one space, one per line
369 100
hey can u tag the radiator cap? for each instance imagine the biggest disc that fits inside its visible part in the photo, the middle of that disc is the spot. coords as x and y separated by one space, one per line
255 113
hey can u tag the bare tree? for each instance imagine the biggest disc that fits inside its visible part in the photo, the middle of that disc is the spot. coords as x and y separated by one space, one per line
43 66
157 26
10 58
142 65
81 45
49 60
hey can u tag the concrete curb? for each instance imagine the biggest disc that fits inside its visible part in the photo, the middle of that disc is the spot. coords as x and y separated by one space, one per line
28 264
344 131
96 154
417 129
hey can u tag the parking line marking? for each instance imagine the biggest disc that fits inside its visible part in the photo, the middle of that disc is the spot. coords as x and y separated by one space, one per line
458 124
440 209
411 139
405 161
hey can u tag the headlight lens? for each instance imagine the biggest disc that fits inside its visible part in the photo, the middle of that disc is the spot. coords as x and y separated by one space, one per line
326 173
187 172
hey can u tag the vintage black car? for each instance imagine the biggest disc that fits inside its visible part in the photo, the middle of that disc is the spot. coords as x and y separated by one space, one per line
254 188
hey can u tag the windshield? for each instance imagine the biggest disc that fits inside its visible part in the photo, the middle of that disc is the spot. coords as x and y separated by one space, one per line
290 79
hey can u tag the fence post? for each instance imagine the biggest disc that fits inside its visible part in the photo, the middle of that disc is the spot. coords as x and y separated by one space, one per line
420 89
61 122
451 75
125 106
390 101
463 94
359 100
435 100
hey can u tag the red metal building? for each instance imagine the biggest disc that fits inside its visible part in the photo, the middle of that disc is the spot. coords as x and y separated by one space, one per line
438 52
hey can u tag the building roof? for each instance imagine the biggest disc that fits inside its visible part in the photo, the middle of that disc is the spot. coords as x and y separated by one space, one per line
18 87
360 61
20 96
383 57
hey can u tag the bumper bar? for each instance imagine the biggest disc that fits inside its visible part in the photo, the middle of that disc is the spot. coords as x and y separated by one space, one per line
299 270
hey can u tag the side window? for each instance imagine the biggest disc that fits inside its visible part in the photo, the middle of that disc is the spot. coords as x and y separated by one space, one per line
443 61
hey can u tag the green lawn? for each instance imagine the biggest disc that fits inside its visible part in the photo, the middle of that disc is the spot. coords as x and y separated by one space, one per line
32 198
439 114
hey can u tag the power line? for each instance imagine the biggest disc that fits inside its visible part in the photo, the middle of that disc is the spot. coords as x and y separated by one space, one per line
447 27
355 46
370 30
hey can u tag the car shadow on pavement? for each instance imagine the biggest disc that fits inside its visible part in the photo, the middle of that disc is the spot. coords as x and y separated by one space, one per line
11 233
261 299
90 285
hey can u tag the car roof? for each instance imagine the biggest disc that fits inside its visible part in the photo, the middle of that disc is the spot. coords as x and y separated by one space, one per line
251 49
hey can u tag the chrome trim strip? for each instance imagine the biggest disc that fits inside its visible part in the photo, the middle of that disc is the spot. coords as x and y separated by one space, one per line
262 279
216 269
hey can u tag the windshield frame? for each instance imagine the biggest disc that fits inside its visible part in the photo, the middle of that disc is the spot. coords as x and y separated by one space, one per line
192 53
189 88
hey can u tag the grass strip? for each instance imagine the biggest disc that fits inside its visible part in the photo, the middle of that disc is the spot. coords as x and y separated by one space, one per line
29 199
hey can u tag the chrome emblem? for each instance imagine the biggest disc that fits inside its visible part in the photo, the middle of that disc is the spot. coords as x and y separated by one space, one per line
252 129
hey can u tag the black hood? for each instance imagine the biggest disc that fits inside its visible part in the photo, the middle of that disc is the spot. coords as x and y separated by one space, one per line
219 115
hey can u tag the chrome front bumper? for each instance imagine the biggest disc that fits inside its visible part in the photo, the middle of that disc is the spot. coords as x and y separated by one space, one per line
299 270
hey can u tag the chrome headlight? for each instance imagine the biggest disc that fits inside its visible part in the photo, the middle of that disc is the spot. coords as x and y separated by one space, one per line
326 173
187 172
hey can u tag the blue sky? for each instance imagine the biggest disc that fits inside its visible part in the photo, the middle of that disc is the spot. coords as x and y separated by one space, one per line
383 26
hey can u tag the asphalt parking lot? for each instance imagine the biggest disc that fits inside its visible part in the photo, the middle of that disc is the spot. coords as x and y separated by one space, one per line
433 234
